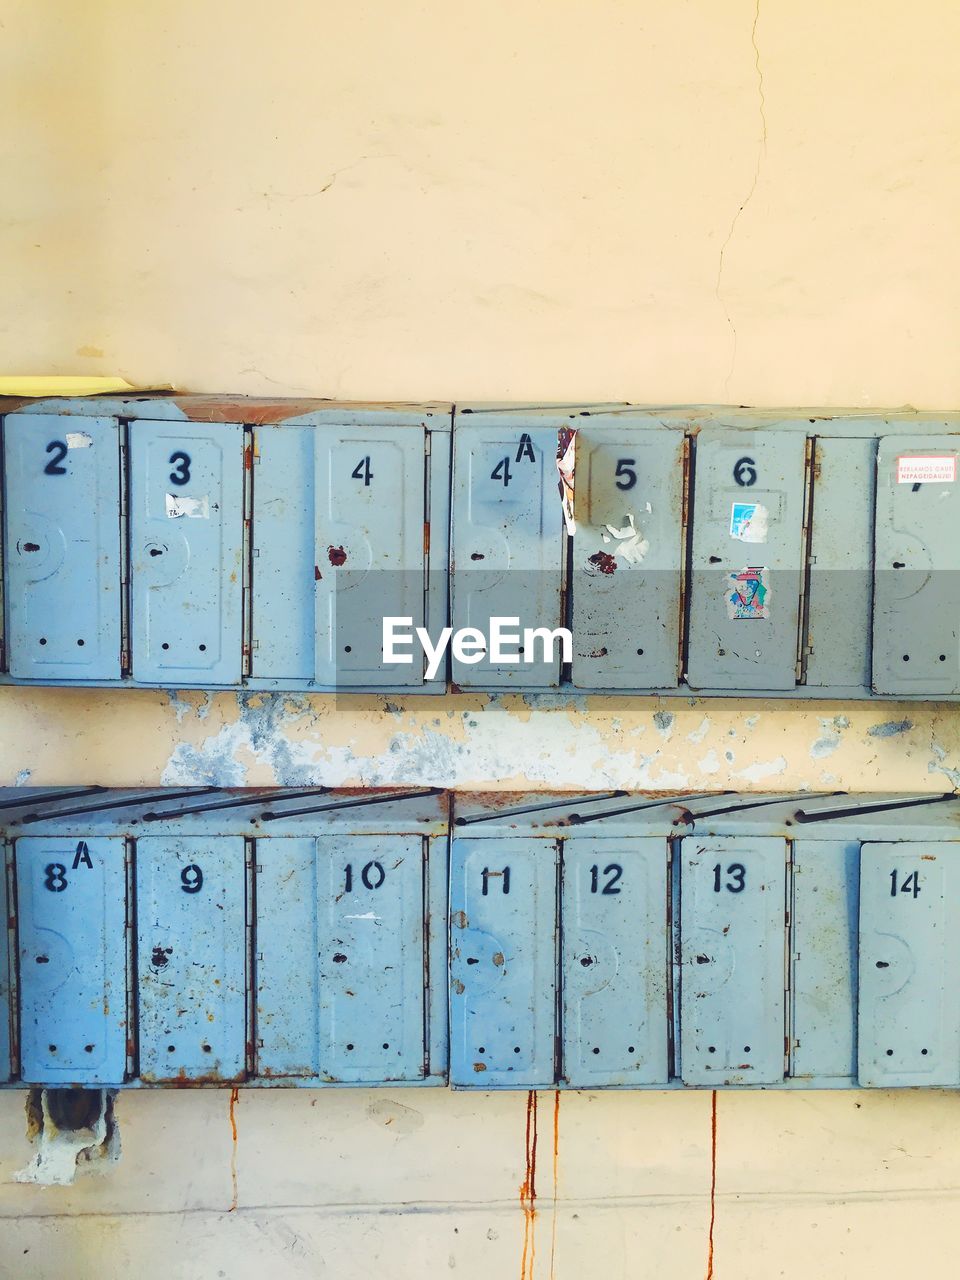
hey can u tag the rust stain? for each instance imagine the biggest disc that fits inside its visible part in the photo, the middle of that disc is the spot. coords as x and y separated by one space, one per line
556 1178
234 1100
603 561
528 1190
713 1182
318 576
336 555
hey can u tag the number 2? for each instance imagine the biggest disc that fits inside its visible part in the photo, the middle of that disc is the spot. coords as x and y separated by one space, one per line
59 451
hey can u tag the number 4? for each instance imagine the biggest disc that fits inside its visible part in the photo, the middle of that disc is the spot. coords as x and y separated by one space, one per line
362 471
502 471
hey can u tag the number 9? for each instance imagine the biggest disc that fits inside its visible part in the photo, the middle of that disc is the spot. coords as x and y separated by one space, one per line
191 879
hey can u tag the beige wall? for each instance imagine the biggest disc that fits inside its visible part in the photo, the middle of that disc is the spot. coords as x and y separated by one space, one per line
587 199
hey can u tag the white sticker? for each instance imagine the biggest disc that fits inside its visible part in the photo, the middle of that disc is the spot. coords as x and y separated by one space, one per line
749 521
193 508
79 440
631 544
919 469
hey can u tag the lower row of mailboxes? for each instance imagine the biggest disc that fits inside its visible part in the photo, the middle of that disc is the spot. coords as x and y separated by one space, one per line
517 962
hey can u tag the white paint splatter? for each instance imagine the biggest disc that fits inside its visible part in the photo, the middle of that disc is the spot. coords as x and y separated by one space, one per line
762 769
698 734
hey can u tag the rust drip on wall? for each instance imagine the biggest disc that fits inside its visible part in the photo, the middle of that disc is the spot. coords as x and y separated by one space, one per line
713 1182
528 1190
232 1112
556 1178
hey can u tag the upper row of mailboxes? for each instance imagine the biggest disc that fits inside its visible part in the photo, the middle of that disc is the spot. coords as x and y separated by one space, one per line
684 550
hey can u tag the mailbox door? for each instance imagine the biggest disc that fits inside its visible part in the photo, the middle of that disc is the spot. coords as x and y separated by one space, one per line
916 609
503 963
371 949
747 560
627 558
186 547
733 941
72 923
286 951
63 565
369 551
508 547
5 1005
841 560
909 1014
826 876
191 947
615 962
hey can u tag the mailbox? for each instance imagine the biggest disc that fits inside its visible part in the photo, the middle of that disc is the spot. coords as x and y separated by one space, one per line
916 627
615 961
507 555
62 540
342 933
909 1012
191 957
733 980
628 549
350 515
72 958
186 543
503 962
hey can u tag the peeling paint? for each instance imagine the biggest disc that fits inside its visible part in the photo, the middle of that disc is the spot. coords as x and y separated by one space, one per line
762 769
889 728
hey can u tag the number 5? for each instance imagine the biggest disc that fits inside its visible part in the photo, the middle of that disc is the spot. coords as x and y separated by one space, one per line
625 468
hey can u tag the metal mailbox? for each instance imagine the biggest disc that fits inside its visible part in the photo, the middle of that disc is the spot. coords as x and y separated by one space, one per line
72 959
507 554
615 961
62 540
909 1009
628 551
191 957
916 621
503 962
186 540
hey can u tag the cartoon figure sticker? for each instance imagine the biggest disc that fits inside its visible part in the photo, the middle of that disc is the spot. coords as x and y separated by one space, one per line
748 522
749 593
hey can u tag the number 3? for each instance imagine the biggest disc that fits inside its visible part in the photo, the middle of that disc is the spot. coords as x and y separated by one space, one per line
181 463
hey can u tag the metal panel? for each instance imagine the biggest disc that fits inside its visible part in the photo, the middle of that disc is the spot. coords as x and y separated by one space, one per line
371 949
5 1001
732 1002
747 560
191 948
909 1021
503 962
916 619
284 566
71 919
286 951
826 876
627 557
841 564
369 551
615 958
63 567
508 546
186 544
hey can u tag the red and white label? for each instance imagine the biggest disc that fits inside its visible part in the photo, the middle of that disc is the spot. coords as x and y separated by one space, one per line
915 469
